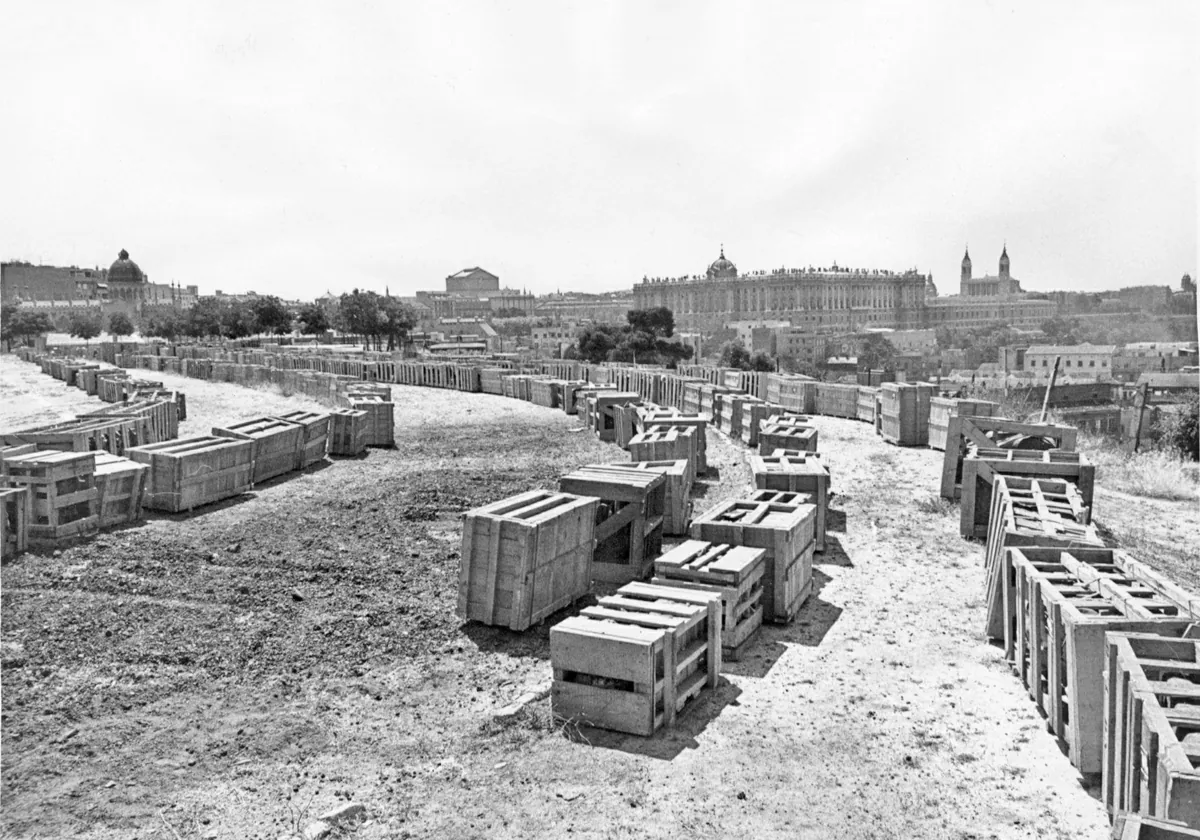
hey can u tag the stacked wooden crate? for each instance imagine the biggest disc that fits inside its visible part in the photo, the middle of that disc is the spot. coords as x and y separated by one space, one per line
314 435
16 511
191 472
675 444
63 499
1066 600
753 415
787 533
1151 769
525 557
276 444
83 434
786 431
634 662
547 392
380 418
679 478
664 420
629 524
1027 512
941 409
982 467
121 487
796 471
966 433
733 572
601 411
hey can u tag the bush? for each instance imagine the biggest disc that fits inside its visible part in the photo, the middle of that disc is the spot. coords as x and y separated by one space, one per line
1179 431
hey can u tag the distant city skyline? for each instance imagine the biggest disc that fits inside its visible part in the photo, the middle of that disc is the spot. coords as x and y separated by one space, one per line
582 147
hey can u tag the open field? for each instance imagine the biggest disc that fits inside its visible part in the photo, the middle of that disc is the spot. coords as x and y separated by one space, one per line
234 673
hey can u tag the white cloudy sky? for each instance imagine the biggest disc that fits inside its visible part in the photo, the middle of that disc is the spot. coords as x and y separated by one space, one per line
291 147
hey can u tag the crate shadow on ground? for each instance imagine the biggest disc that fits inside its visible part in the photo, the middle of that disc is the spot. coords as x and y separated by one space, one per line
670 741
835 520
808 628
202 510
533 642
833 555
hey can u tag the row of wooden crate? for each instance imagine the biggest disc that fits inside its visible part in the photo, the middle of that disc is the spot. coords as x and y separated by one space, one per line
1106 647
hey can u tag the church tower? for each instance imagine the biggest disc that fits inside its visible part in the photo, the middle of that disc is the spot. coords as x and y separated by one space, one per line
1004 263
965 276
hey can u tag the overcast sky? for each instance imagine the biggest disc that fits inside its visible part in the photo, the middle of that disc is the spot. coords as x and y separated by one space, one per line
290 148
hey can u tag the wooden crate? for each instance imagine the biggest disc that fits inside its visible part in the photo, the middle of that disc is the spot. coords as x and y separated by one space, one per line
753 415
191 472
629 521
836 400
83 434
603 407
1064 608
905 418
734 572
788 535
547 392
981 469
348 431
941 409
1152 689
314 435
380 420
996 433
525 557
16 511
866 403
678 493
7 452
63 495
1027 512
798 471
665 445
276 444
697 423
1138 827
632 664
778 432
121 483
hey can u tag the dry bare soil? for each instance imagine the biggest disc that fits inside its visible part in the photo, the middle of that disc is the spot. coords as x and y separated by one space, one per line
233 673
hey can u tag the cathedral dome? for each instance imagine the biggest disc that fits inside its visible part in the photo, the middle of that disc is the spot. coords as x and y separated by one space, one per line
722 267
125 270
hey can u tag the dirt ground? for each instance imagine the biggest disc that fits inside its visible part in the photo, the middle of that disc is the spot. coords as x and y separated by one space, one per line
234 673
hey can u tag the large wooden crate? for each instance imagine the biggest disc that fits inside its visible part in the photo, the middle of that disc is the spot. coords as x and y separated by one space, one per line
941 409
837 400
629 523
1064 608
191 472
1028 512
314 435
798 471
276 444
753 415
63 495
678 493
602 408
655 421
1152 690
786 432
980 470
678 444
380 419
121 484
866 403
348 431
525 557
905 418
634 662
16 510
83 434
734 572
159 419
547 392
788 536
996 433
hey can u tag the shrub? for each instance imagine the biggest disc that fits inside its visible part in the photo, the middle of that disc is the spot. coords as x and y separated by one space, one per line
1179 431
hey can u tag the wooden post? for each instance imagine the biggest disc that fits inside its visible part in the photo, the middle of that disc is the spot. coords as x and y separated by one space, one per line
1049 388
1141 407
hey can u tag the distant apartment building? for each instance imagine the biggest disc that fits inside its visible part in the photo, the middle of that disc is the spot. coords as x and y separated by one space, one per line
555 338
1079 361
1154 357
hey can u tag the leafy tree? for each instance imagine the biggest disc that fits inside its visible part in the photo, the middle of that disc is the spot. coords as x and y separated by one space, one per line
398 319
204 318
119 325
658 321
762 363
271 316
238 320
875 352
734 355
17 325
360 315
314 319
1179 431
596 342
168 325
85 326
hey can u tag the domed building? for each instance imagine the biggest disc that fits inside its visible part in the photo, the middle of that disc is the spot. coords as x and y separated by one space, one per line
721 267
126 281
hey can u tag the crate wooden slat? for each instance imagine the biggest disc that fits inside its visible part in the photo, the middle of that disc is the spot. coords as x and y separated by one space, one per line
754 414
314 437
525 557
905 418
121 484
16 510
996 433
787 533
1138 827
1064 608
780 433
734 572
941 409
678 494
797 471
380 420
84 434
191 472
348 431
1028 512
629 521
981 468
866 403
13 451
63 495
275 444
1152 691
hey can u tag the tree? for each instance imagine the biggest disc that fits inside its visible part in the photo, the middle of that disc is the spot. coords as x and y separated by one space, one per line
876 352
169 326
360 315
119 325
398 319
762 363
658 321
17 325
204 318
85 326
734 355
314 319
271 316
597 342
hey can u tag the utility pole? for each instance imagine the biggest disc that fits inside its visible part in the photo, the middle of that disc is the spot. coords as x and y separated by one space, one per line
1049 388
1140 402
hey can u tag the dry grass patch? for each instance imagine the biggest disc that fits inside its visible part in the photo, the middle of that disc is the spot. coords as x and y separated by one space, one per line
1153 475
